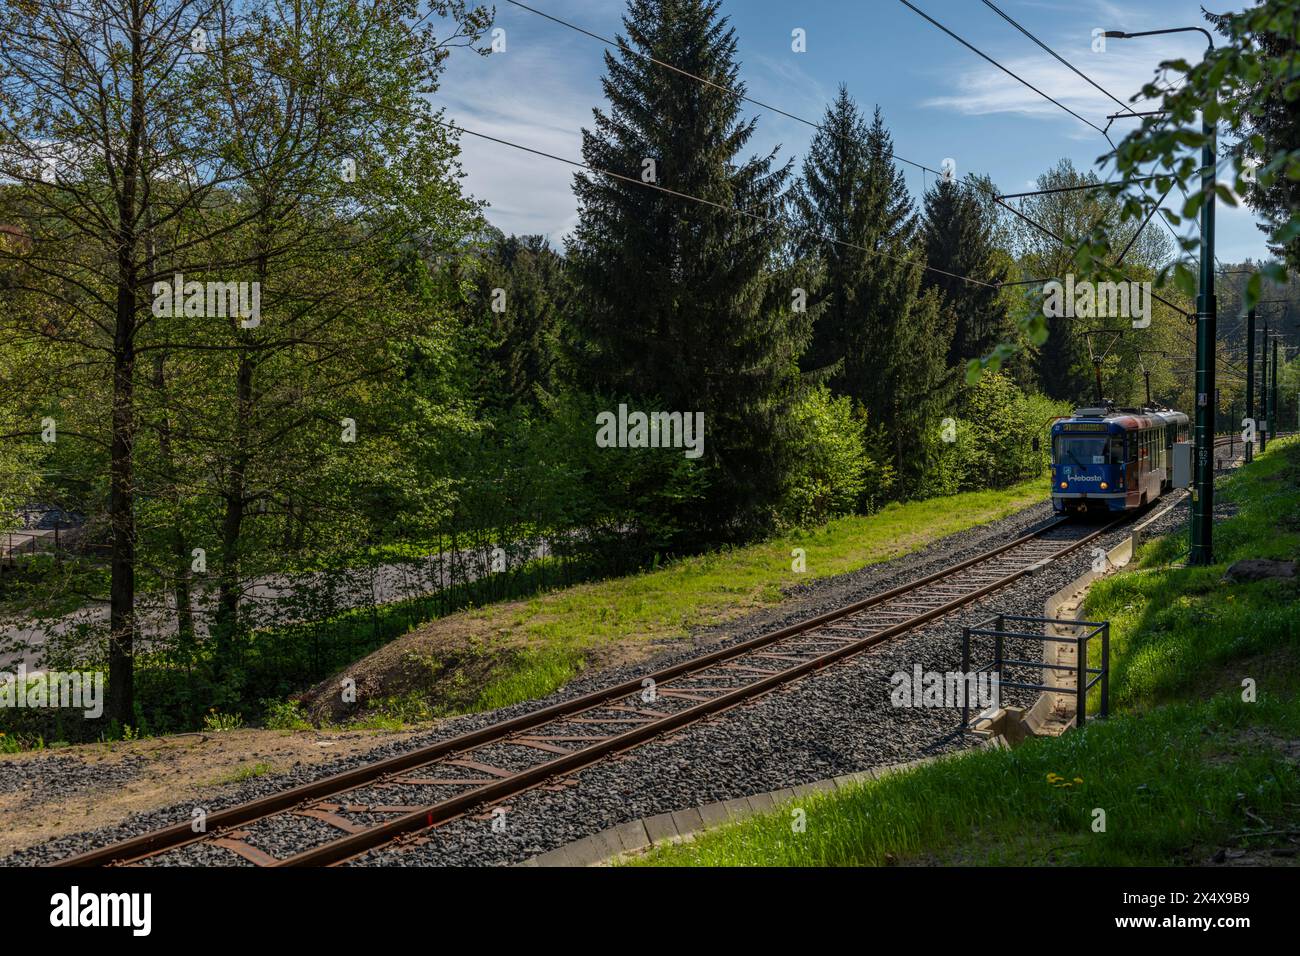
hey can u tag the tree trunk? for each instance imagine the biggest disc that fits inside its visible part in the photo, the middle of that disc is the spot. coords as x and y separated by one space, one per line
121 510
120 705
181 592
232 523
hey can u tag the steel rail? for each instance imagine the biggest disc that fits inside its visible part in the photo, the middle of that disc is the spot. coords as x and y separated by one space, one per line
181 834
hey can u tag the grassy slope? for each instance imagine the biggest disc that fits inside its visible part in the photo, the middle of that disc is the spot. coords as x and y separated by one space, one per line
522 650
1200 772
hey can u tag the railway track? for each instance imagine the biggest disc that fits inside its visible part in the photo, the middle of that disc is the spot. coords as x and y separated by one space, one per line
401 798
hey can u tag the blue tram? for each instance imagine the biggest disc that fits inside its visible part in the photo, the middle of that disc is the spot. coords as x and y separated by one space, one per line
1113 459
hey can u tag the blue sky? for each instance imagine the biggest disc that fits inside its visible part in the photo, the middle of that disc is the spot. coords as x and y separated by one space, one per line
939 99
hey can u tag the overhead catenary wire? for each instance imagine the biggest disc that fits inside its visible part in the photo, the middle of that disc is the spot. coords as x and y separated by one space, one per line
620 45
1159 205
1020 79
1087 79
1052 100
736 210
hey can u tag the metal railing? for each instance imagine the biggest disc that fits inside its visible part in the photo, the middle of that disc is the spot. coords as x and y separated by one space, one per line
15 543
1085 677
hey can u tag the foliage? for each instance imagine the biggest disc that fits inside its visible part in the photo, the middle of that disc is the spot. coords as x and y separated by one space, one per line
219 722
832 471
993 444
681 302
1248 89
958 233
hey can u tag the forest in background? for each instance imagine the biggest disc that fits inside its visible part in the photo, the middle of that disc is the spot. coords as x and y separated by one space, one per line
419 384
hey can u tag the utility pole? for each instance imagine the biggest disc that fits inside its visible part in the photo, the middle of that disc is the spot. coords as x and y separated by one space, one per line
1206 326
1250 379
1206 333
1275 395
1263 391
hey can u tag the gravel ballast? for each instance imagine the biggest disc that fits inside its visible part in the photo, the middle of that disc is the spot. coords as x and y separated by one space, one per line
836 721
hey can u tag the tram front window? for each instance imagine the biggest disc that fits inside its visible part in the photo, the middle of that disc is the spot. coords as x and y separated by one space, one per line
1087 450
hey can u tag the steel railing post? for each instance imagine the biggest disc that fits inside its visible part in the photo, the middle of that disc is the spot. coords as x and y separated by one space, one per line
965 669
1081 683
1105 669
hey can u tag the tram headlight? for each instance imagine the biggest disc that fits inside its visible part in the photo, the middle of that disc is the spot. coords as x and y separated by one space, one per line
1104 486
1065 484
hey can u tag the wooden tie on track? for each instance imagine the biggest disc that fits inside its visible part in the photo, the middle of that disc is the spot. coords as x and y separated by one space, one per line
557 740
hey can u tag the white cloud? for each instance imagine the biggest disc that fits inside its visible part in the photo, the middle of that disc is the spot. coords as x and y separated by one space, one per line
984 89
539 94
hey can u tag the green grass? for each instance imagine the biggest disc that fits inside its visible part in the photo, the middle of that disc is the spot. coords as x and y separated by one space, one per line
531 675
707 589
1186 767
501 654
526 650
1172 627
248 772
1174 785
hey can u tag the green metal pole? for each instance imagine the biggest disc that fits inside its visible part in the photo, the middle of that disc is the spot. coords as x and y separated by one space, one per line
1250 378
1263 391
1276 409
1206 322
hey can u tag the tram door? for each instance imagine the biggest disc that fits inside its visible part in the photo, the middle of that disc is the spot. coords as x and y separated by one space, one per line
1131 466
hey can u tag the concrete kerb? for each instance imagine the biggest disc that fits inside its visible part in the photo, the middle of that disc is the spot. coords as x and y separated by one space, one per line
1054 711
628 839
684 825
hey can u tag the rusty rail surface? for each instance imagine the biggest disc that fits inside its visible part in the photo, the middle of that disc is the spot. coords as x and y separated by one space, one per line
573 734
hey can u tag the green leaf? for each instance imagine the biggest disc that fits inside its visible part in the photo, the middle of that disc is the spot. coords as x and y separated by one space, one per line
1274 272
1253 286
1225 194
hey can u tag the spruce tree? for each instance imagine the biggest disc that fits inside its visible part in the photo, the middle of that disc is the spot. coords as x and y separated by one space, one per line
519 294
683 303
828 202
885 336
958 242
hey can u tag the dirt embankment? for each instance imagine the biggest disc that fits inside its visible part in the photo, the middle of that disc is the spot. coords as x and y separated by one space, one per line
48 793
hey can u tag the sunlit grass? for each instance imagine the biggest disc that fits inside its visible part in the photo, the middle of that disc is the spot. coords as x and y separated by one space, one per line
1174 781
552 637
709 589
1173 785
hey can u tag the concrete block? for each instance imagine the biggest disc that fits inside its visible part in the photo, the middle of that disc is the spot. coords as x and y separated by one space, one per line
688 821
714 814
761 803
605 845
632 836
782 796
660 828
738 809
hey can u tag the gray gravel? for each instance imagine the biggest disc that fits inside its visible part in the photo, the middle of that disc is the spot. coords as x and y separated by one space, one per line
836 721
65 774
